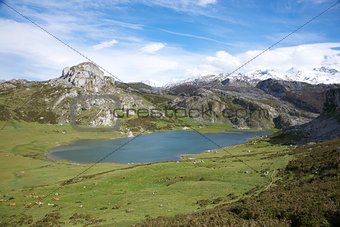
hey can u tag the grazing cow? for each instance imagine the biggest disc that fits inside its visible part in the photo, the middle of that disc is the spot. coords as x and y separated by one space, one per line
12 204
28 204
56 198
39 203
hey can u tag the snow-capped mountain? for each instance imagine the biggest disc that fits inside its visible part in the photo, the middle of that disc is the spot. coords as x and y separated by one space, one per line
322 75
150 83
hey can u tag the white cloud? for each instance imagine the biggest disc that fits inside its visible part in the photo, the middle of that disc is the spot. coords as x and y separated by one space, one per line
152 48
42 57
297 38
195 7
192 36
105 44
304 57
314 1
180 4
206 2
28 42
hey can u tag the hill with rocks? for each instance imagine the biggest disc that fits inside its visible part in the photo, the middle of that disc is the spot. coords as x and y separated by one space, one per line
261 99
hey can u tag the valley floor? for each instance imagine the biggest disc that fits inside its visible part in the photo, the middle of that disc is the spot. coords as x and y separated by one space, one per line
36 191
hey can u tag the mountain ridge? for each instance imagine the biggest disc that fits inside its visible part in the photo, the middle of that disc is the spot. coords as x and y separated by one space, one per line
298 102
321 75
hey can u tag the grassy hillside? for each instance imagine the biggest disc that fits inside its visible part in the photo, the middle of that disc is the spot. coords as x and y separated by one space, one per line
122 194
306 194
30 102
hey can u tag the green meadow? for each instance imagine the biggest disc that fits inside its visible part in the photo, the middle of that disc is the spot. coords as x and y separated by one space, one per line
35 190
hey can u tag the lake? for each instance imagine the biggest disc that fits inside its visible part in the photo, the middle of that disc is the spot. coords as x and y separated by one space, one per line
154 147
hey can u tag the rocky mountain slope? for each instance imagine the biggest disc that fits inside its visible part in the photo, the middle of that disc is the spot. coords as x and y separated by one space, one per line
245 108
243 101
286 102
327 125
86 76
51 101
302 95
324 127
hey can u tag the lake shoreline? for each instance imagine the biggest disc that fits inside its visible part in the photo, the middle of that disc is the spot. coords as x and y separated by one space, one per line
58 153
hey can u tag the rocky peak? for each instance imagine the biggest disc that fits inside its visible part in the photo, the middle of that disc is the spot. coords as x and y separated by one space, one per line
85 75
272 87
324 69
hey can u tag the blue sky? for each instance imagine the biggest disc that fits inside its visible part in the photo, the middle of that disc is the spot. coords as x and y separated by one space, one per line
161 40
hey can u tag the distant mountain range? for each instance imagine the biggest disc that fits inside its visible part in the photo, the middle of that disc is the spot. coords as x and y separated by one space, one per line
321 75
287 99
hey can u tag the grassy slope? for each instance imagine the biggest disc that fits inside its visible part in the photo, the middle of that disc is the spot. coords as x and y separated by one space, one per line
23 147
306 195
30 103
122 194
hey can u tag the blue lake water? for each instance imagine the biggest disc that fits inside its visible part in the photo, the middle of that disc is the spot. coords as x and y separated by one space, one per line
154 147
